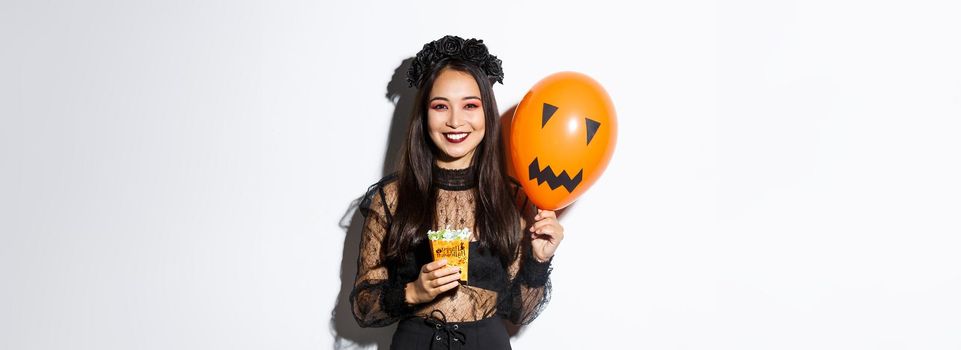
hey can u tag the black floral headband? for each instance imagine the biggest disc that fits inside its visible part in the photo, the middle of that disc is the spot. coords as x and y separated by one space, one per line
454 47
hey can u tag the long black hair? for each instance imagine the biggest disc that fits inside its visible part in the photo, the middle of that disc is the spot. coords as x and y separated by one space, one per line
496 216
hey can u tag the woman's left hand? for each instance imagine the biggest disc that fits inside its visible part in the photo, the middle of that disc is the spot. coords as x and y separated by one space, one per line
546 234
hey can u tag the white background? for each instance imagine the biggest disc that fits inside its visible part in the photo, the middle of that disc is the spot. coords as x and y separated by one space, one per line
180 174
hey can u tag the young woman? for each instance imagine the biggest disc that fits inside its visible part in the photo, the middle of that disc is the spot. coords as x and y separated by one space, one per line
452 175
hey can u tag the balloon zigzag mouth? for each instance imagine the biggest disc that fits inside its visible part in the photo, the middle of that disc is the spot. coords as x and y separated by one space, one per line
554 180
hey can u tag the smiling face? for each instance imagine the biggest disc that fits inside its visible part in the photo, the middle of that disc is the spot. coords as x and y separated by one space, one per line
455 118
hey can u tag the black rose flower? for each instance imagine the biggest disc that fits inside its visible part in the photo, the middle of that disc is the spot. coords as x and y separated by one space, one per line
421 64
493 68
424 60
414 73
475 51
450 45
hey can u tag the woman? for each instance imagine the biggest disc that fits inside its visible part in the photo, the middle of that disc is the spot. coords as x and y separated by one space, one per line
452 175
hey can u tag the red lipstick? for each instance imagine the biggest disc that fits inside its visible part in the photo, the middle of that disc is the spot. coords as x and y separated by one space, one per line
456 137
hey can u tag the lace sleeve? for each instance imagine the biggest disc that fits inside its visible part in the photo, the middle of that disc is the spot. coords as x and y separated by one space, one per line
376 300
530 284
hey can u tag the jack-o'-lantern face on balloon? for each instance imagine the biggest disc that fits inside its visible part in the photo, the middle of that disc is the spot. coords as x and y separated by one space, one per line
562 136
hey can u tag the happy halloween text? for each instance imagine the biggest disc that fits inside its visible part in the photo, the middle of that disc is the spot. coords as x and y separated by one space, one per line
451 251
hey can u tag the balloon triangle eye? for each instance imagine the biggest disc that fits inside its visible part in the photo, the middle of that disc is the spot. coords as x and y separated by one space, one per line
547 113
592 126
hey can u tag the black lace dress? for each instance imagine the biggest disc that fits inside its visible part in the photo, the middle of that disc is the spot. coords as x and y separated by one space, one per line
468 316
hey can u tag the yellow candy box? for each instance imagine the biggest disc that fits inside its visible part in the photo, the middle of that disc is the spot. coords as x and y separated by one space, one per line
453 245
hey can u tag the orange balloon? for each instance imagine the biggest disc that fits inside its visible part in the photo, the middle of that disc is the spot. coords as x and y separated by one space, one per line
561 138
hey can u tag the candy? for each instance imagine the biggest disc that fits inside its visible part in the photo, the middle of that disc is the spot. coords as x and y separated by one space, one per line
453 245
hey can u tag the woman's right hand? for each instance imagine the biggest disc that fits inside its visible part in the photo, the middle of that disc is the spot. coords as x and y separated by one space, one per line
433 280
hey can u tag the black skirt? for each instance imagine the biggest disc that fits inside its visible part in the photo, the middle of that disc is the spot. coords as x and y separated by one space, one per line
434 333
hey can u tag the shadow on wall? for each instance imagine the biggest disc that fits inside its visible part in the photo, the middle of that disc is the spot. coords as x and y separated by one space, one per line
347 334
